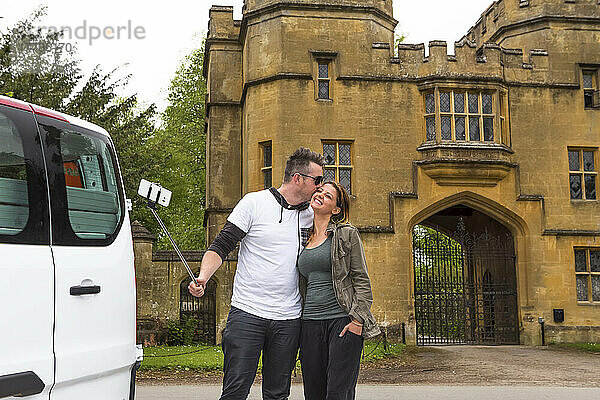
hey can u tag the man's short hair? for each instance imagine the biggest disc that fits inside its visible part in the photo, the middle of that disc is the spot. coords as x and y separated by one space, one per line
299 162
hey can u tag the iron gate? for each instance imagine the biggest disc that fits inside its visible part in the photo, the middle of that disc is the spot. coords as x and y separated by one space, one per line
465 287
203 309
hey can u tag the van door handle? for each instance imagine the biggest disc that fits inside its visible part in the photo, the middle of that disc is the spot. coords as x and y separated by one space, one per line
81 290
20 384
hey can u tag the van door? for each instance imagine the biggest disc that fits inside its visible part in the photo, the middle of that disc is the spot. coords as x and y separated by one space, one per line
26 269
94 336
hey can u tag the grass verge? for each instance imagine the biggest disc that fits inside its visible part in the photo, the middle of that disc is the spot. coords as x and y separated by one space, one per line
204 358
591 347
210 358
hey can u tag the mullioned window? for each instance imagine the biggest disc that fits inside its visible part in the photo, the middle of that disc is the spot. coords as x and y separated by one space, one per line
455 115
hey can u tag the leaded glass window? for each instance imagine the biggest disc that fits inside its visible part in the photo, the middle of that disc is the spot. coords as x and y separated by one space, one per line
444 102
459 124
488 129
338 163
345 154
323 89
267 161
486 104
590 187
575 186
329 153
463 116
587 274
346 179
588 80
329 174
582 288
503 107
580 260
430 122
590 85
323 71
267 155
595 260
268 178
582 174
324 80
429 103
430 113
474 135
595 288
446 127
473 103
588 160
459 102
574 161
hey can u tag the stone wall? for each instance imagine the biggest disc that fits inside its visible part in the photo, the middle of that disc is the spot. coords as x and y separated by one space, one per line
158 277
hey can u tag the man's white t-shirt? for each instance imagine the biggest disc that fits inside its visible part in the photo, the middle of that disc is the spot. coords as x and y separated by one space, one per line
266 280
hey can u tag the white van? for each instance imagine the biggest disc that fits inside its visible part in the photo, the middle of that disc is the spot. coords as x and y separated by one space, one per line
67 282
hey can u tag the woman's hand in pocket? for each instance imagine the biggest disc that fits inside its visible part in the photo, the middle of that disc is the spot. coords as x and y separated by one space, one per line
354 327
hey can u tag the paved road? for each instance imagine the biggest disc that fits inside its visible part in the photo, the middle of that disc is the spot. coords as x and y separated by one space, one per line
388 392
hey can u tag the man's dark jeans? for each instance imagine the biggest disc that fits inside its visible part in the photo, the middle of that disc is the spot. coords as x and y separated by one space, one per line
330 363
243 339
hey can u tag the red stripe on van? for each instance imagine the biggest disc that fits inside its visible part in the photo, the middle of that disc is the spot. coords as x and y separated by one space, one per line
47 113
15 103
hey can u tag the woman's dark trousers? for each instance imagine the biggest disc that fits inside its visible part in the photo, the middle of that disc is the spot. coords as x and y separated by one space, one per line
330 363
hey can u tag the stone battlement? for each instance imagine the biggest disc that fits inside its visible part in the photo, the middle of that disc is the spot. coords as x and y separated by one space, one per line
383 5
505 14
481 55
221 24
490 60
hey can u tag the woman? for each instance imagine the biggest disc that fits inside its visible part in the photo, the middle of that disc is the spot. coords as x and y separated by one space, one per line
337 297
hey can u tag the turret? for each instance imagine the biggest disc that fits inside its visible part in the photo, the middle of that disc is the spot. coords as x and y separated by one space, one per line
505 18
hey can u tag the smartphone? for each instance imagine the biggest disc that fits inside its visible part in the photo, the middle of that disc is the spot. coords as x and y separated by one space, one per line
155 193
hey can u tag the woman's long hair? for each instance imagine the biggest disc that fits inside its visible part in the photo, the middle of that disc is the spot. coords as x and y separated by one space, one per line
343 202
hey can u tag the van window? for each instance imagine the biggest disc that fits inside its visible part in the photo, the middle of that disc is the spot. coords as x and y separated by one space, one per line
86 202
14 202
24 213
92 196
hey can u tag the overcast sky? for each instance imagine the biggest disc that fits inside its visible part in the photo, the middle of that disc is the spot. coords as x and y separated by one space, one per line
167 31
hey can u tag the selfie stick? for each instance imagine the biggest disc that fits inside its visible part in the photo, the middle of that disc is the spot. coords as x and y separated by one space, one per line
152 206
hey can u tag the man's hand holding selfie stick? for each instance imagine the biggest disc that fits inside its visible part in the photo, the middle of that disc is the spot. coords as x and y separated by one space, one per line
197 288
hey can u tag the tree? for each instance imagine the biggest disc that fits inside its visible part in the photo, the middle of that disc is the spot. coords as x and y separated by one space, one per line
182 141
36 67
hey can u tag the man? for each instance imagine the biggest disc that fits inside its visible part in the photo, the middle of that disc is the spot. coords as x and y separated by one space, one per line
272 226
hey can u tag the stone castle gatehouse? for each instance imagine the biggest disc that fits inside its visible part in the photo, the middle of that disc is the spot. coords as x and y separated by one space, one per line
473 174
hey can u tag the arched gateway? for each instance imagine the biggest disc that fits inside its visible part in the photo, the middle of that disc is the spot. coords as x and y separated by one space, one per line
465 279
203 309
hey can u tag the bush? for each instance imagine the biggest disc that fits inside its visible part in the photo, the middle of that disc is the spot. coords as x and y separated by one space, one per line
174 333
189 328
182 332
